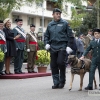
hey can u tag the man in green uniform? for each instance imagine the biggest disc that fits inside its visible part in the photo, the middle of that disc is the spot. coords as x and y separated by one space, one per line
20 43
2 45
95 47
31 46
56 40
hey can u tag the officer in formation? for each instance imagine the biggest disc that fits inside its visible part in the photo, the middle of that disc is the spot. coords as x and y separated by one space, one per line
56 38
31 46
20 44
2 45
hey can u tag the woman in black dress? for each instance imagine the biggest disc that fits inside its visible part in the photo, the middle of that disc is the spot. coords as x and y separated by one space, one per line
10 42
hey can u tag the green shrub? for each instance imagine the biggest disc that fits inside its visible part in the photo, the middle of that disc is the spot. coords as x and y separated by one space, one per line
41 45
1 56
43 58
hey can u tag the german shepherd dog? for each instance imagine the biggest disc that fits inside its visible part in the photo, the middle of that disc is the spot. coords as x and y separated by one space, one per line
79 67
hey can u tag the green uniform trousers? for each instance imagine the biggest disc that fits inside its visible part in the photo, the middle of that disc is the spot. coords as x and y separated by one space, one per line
18 61
92 73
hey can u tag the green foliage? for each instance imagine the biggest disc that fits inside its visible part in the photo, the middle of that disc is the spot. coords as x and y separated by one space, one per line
77 3
76 20
1 56
89 21
43 58
6 6
40 45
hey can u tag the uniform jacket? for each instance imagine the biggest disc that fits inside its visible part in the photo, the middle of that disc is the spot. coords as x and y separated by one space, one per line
80 45
19 45
57 34
29 38
88 38
95 51
3 46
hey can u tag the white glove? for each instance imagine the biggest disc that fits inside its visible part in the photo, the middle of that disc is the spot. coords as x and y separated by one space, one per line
69 50
47 47
5 51
28 50
16 49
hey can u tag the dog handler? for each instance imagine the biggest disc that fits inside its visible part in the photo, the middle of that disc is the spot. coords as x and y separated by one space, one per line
56 39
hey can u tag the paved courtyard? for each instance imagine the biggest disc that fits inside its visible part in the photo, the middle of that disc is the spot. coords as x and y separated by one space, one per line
40 89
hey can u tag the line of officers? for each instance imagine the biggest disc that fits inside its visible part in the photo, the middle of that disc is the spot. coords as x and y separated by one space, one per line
12 43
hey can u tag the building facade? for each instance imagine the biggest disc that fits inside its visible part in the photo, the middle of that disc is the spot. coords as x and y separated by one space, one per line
40 14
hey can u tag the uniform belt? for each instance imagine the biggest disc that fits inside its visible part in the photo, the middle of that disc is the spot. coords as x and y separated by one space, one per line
31 42
2 42
20 40
35 43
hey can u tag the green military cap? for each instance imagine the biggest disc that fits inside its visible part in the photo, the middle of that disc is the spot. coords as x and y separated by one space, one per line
57 10
1 21
96 30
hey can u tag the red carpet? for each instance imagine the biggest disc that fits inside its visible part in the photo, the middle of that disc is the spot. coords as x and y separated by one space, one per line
23 76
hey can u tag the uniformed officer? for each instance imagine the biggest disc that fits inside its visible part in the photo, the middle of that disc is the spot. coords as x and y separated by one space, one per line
2 45
95 47
31 46
20 44
56 39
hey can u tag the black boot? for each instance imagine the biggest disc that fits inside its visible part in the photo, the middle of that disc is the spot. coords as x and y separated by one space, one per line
62 78
55 81
61 85
88 88
55 86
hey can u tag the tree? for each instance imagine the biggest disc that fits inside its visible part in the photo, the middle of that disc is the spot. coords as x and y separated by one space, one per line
77 3
6 6
89 21
76 20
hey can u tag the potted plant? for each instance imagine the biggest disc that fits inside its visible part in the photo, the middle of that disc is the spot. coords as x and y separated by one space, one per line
43 60
1 56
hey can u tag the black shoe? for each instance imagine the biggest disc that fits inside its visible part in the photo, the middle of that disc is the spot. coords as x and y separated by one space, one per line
6 73
10 73
22 72
17 72
88 88
61 85
34 72
30 72
2 73
55 86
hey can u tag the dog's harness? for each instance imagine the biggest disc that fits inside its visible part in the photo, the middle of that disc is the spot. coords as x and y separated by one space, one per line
76 69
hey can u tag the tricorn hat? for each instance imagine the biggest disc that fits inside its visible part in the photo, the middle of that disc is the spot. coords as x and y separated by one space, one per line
1 21
32 25
17 20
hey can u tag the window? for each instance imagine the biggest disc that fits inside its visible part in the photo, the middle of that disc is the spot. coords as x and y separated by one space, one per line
66 8
39 4
29 4
41 22
14 17
30 20
50 5
49 21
